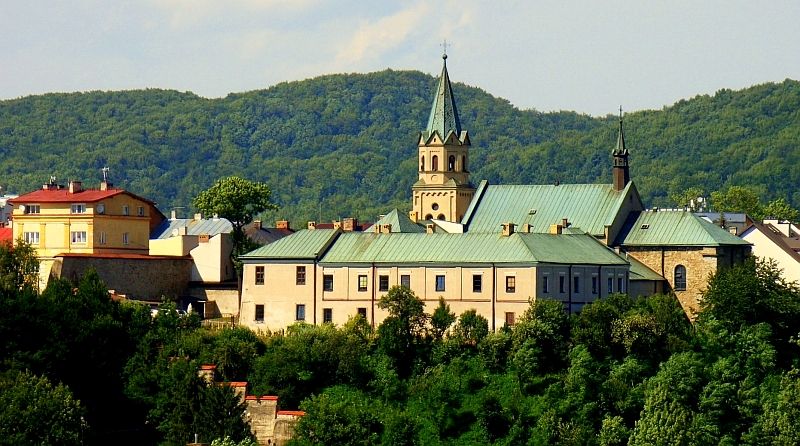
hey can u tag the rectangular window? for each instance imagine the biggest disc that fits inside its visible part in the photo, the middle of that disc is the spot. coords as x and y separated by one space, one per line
439 283
31 238
33 209
362 282
327 282
125 238
102 238
77 237
78 208
576 284
299 312
562 284
126 210
405 280
259 313
140 211
477 283
511 284
300 275
383 283
362 311
546 284
510 319
259 275
594 284
610 285
620 284
327 315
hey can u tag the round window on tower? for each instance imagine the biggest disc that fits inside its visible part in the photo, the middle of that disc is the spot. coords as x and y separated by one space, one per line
435 206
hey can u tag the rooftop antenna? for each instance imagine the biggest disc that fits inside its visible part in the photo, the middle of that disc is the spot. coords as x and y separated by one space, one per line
105 173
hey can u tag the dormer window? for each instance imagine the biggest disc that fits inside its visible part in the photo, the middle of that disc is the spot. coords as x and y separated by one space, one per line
78 208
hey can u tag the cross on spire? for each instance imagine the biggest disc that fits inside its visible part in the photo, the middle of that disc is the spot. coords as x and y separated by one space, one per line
620 113
444 46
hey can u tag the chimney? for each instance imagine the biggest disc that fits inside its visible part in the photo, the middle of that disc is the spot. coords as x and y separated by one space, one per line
556 229
337 224
386 229
312 225
105 185
349 224
508 229
75 187
429 228
183 230
173 214
526 228
414 216
198 216
280 224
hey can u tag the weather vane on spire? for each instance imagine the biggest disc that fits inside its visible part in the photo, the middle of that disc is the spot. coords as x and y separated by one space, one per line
444 46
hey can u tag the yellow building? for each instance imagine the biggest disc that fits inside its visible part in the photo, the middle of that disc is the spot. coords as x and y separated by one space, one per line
73 220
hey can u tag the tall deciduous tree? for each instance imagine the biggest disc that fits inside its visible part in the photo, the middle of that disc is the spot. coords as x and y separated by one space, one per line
238 200
19 267
737 199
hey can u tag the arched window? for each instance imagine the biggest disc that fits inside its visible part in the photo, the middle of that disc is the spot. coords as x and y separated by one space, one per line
435 163
451 163
422 164
428 217
680 278
463 163
440 217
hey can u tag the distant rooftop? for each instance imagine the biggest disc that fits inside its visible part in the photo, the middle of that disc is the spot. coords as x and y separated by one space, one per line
210 226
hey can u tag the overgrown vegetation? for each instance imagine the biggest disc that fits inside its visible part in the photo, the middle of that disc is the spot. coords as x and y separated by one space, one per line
623 371
345 145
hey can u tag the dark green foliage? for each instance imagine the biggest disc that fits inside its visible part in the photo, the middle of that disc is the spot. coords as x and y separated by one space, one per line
19 267
35 412
341 416
345 144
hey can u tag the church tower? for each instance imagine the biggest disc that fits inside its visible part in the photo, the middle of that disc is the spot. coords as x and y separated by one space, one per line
621 175
443 190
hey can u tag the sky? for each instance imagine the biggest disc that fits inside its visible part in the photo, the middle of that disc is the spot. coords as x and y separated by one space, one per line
586 56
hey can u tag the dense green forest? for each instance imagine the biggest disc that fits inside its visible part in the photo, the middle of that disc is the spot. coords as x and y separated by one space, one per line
79 368
344 145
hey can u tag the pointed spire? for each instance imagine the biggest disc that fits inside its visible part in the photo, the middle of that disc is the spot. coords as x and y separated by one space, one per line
620 149
444 115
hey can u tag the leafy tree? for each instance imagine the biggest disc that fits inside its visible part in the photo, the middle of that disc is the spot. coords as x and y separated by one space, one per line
19 267
471 328
341 416
737 199
540 339
237 199
687 198
33 411
781 209
442 319
401 334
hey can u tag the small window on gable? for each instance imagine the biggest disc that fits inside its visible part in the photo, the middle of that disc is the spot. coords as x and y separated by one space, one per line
680 278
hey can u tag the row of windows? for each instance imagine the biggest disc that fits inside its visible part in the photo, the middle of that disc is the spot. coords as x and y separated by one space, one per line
80 208
300 313
451 163
75 237
576 284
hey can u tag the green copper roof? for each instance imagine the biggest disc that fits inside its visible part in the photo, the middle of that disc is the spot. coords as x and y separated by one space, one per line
587 206
441 249
400 222
303 244
673 228
444 115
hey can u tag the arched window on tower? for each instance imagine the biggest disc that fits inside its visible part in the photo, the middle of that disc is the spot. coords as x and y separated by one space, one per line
464 163
451 163
680 278
422 164
434 163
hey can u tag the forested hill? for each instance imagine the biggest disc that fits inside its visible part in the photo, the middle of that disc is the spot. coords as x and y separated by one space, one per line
345 144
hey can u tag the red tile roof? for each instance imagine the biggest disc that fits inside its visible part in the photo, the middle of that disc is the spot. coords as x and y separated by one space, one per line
6 235
294 413
64 196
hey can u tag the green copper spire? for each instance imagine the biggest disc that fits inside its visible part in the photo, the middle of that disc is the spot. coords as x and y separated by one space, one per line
620 149
444 115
